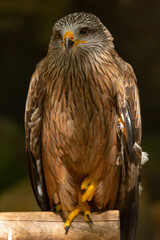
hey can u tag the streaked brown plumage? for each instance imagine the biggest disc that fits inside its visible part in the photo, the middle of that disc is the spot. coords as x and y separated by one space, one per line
83 119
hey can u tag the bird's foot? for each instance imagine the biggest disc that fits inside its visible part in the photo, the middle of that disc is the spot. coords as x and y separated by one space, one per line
90 186
70 218
81 207
57 208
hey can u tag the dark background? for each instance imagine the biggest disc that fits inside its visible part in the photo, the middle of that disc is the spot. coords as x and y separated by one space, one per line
25 30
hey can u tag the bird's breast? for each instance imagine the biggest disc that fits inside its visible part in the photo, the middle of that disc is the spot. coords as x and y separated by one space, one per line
77 123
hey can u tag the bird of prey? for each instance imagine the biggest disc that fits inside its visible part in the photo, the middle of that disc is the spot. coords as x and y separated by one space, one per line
83 125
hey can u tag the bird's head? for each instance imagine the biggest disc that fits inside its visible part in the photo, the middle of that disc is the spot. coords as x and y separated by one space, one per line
79 34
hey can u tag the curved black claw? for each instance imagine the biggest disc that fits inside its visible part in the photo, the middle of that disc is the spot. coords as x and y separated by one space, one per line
90 220
66 230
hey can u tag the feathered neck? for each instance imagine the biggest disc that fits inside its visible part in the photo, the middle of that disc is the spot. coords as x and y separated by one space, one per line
78 63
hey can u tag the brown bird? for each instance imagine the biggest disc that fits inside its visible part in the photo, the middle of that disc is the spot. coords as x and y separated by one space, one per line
83 125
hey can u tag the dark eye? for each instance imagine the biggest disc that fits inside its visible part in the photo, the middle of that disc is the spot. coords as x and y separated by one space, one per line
84 31
58 35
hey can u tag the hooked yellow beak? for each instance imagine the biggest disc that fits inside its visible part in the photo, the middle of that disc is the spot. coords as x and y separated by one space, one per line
68 40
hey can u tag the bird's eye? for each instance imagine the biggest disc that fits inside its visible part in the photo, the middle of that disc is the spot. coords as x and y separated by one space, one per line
84 31
58 35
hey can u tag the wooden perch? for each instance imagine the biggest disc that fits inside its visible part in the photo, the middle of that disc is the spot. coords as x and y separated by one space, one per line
48 225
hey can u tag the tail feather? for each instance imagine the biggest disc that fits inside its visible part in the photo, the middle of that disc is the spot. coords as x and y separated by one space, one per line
129 214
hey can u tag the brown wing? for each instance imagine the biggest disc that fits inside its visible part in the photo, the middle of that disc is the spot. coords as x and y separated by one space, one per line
33 125
130 137
128 102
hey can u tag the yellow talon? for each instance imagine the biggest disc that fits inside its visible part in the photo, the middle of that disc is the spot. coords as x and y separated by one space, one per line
81 207
87 217
89 193
85 183
91 196
70 218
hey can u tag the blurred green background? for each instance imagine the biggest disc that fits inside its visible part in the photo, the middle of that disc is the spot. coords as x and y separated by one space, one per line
25 30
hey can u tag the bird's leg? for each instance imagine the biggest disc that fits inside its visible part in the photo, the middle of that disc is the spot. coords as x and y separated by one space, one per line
91 186
81 207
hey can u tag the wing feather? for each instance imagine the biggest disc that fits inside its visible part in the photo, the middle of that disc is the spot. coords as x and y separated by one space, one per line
129 111
33 126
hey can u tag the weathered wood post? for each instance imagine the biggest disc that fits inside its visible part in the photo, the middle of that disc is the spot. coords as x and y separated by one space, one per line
48 225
